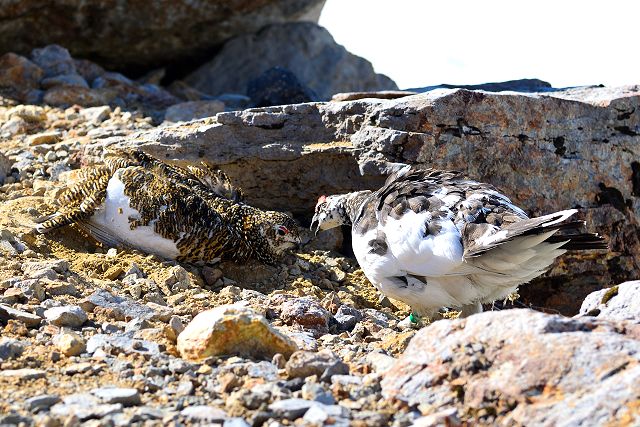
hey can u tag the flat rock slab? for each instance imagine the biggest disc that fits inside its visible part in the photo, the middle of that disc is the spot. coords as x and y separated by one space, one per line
23 374
30 320
127 306
204 413
123 342
126 396
68 315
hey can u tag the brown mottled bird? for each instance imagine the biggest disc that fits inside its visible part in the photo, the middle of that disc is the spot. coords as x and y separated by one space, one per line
190 214
435 239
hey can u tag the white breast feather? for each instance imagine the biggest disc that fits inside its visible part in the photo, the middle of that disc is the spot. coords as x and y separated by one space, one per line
424 255
113 217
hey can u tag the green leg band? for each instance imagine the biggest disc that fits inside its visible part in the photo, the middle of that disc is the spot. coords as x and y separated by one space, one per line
414 318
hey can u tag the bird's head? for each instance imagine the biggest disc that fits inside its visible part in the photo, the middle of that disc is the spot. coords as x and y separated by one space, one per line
280 232
330 212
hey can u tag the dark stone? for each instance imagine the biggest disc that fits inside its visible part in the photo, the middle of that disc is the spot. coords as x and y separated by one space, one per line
522 85
635 178
347 317
11 349
278 86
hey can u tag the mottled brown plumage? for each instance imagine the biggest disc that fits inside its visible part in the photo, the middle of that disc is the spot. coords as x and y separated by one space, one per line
196 208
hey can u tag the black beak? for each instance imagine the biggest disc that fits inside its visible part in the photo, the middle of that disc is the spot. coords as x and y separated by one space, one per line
315 225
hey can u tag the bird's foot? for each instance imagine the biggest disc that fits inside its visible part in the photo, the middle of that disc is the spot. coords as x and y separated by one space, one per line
410 322
469 309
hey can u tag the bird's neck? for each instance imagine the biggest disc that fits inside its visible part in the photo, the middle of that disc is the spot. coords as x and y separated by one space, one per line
253 226
351 204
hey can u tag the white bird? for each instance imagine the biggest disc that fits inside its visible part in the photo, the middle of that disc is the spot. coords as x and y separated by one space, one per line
434 239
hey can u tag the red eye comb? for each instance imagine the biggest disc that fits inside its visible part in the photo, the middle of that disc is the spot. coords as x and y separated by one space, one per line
322 199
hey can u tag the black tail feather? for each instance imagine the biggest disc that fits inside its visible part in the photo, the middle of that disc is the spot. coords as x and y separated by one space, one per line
580 242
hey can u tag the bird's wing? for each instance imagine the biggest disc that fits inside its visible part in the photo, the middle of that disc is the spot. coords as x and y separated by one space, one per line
217 181
415 211
79 201
203 178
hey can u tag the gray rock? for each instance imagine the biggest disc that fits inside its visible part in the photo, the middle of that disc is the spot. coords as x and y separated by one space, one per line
144 413
111 79
43 401
70 80
124 343
204 413
506 356
621 302
303 364
88 70
278 86
306 312
145 34
291 409
18 74
303 339
11 348
266 370
5 166
179 366
23 374
28 319
96 115
137 324
68 315
185 388
380 362
319 414
127 306
376 317
191 110
381 94
306 49
81 368
54 60
125 396
447 417
84 411
15 420
32 268
235 422
347 317
32 288
317 393
176 325
521 85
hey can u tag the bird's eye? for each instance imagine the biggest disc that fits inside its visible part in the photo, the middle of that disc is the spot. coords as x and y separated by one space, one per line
282 230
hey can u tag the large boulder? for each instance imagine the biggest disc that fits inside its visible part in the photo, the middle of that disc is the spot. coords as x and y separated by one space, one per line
124 34
548 152
304 48
520 367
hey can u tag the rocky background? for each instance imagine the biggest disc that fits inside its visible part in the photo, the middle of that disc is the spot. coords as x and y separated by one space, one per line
92 335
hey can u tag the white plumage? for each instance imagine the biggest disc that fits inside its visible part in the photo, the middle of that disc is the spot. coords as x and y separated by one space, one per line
436 239
112 220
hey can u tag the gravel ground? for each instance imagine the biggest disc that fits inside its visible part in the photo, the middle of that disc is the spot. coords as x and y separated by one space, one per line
89 333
